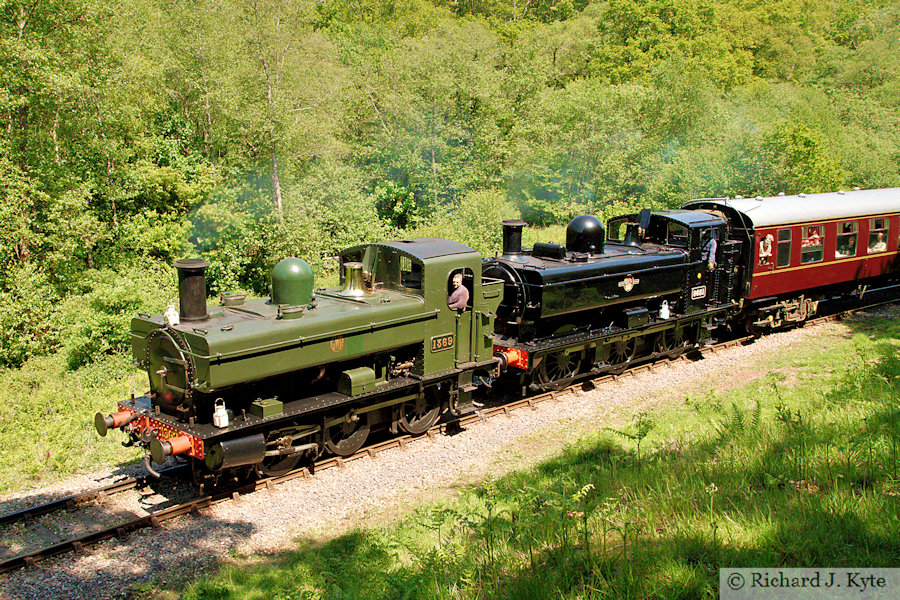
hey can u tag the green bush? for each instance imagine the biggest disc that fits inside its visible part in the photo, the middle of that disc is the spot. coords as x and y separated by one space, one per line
27 306
47 414
476 218
96 321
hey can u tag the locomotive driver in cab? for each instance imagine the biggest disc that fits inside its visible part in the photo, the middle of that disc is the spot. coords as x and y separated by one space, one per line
459 297
710 245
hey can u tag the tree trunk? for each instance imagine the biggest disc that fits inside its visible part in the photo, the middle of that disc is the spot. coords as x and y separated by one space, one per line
276 185
54 136
22 251
271 102
207 112
109 165
434 194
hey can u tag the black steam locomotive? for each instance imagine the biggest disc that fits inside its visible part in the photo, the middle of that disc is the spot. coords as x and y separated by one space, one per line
657 286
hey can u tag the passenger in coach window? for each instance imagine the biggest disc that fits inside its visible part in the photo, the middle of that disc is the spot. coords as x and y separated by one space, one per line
877 243
765 249
812 238
459 298
846 249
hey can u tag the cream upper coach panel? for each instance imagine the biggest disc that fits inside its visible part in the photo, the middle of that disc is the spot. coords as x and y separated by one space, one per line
804 208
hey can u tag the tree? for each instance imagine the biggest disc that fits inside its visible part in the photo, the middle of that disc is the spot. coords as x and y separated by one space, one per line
286 84
430 113
638 35
800 160
49 52
545 11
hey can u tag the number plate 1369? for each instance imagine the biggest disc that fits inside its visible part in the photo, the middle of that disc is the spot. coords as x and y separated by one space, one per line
442 342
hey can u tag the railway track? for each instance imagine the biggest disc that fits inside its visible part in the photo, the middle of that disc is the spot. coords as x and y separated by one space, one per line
155 519
70 502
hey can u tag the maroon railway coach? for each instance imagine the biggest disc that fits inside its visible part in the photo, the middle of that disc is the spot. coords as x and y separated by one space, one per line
803 250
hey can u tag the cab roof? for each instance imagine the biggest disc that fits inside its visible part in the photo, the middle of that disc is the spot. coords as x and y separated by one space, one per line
426 248
690 218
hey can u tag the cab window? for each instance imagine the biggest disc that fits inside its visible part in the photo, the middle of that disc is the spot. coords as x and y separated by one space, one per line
784 247
811 246
388 269
355 255
615 229
467 279
878 231
846 239
678 235
410 273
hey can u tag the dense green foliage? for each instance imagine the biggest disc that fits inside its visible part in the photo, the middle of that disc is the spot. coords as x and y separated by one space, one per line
46 413
136 132
800 467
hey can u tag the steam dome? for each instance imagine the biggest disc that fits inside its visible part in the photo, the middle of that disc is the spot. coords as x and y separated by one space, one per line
585 233
292 282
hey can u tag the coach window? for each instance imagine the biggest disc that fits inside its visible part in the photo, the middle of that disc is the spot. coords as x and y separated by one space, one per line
877 235
846 239
811 248
784 248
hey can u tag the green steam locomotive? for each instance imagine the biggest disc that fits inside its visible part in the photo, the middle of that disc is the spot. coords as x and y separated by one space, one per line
258 384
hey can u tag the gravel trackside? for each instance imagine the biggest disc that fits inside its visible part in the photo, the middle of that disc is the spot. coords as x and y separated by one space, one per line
367 490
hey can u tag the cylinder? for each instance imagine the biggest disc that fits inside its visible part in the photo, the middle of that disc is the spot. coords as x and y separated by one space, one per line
512 237
248 450
192 288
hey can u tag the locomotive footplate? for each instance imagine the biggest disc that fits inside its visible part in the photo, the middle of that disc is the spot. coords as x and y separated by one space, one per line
605 335
392 392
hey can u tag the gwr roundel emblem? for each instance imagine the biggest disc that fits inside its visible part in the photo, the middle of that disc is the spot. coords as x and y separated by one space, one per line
337 344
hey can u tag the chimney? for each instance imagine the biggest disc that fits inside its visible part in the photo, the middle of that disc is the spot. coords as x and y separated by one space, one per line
512 238
192 288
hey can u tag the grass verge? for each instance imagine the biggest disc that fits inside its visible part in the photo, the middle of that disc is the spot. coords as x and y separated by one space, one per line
47 415
799 471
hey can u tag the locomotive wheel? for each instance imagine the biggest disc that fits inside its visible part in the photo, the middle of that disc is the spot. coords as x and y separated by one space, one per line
671 340
559 366
276 466
622 352
417 416
346 438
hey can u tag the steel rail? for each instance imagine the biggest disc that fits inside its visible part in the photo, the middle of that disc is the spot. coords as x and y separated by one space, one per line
70 502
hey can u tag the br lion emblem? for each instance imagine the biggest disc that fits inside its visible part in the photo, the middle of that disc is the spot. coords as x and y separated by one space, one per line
629 282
